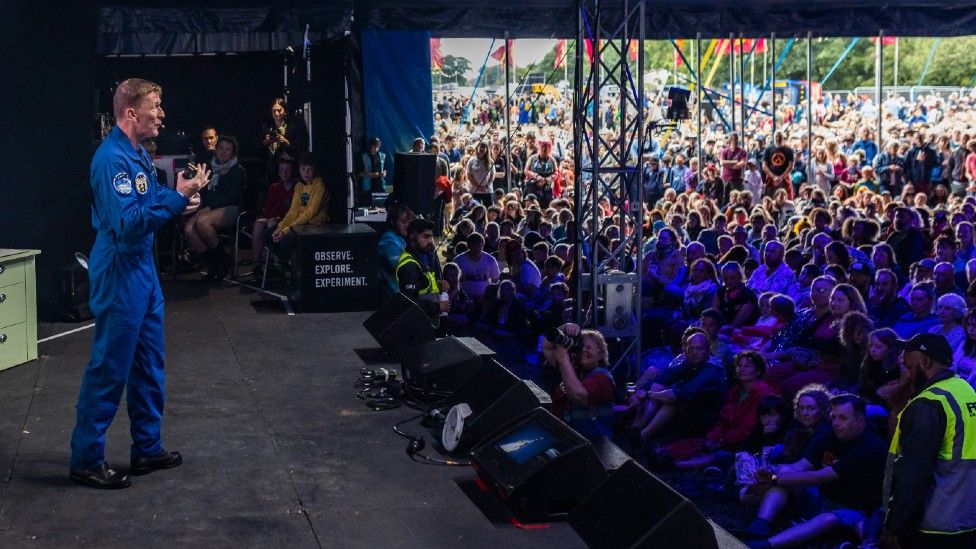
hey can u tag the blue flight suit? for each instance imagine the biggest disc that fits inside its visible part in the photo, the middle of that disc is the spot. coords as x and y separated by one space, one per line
128 207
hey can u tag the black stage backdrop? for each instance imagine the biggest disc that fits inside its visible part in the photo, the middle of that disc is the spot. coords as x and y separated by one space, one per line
47 78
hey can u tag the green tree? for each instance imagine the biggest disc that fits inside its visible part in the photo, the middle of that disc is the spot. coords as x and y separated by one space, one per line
455 68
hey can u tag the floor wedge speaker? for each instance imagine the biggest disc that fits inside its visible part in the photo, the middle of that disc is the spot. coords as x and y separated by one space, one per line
399 324
634 509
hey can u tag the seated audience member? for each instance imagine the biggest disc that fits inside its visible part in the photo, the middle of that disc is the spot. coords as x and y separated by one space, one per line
736 421
776 312
701 292
478 269
220 204
884 303
773 418
848 470
462 306
739 305
585 394
308 207
277 200
774 275
391 245
950 309
687 396
920 318
881 382
722 353
800 292
809 431
855 328
506 318
522 272
817 358
964 359
551 312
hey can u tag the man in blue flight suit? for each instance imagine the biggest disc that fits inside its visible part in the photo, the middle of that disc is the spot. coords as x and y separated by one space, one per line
128 206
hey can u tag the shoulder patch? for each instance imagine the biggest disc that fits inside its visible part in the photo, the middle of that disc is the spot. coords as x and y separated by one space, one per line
122 183
142 183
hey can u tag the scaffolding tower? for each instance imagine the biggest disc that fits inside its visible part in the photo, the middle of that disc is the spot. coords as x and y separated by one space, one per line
608 169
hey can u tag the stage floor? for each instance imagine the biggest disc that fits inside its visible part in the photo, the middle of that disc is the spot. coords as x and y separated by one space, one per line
278 450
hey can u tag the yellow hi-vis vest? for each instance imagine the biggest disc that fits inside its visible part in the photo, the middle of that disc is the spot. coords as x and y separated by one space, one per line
949 507
432 288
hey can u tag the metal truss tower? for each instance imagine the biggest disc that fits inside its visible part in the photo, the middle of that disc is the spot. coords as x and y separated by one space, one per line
609 172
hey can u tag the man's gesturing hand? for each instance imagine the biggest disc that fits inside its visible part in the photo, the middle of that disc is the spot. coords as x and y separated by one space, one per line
189 187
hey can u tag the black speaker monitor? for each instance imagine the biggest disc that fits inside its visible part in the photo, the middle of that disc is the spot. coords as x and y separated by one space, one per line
633 509
413 181
540 467
444 364
490 400
399 324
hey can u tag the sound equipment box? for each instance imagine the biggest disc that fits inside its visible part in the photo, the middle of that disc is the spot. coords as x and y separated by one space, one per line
541 468
443 364
399 324
413 181
489 401
633 509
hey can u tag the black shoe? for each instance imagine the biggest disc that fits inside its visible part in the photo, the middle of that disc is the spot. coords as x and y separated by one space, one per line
102 476
164 460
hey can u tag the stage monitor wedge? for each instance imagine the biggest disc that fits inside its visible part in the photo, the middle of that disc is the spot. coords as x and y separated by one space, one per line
633 509
399 324
541 468
444 364
489 401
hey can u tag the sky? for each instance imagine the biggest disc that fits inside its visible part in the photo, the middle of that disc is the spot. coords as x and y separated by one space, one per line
524 52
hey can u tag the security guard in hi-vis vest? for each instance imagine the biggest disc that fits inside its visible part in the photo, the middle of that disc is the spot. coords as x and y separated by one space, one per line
128 207
930 478
417 270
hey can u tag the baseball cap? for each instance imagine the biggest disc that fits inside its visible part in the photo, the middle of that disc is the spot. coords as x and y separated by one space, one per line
934 346
927 263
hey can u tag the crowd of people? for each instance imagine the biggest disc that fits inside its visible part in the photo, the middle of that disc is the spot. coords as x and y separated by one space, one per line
816 294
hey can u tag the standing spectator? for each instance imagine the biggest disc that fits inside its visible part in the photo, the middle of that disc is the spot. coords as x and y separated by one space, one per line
777 165
733 158
480 174
373 176
919 162
890 169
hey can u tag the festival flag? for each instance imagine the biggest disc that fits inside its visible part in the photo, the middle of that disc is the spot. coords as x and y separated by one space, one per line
560 59
589 49
499 54
436 57
632 51
886 40
749 45
679 49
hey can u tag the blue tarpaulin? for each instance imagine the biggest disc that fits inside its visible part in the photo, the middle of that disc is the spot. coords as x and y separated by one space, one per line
397 89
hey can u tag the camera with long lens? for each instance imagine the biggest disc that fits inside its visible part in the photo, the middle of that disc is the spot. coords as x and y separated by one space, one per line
559 337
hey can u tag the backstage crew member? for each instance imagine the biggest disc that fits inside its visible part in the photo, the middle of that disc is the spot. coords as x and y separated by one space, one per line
128 207
931 467
417 270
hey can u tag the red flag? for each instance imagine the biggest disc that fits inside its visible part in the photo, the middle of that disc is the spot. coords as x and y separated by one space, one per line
499 54
886 40
632 51
436 57
589 49
560 59
679 49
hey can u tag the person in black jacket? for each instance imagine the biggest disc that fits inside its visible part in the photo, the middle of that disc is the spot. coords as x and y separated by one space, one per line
907 240
919 161
220 204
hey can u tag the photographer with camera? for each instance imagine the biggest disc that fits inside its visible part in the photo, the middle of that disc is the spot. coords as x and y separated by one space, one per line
584 398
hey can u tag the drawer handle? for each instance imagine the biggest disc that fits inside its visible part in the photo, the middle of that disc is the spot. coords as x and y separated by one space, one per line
3 338
3 297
